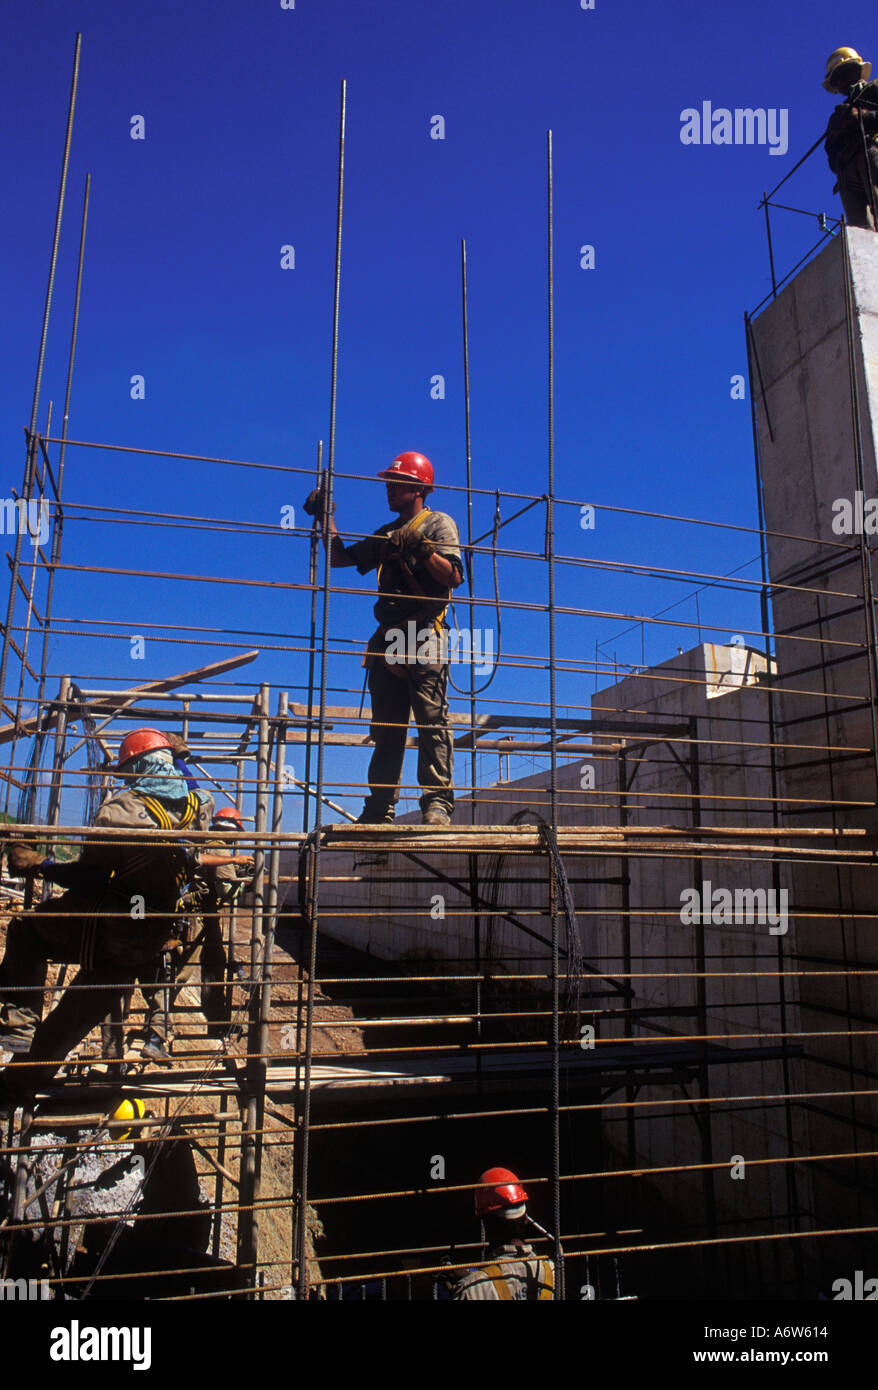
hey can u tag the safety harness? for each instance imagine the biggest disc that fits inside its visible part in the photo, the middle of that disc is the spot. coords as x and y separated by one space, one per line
540 1282
165 821
372 653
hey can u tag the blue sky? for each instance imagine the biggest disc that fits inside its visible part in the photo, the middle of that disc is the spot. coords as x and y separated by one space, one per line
183 285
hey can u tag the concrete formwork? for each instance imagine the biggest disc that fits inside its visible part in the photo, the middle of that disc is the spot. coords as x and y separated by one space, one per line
814 353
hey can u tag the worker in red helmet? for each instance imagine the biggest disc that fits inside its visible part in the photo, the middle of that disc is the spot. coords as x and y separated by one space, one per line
113 920
851 141
513 1272
419 565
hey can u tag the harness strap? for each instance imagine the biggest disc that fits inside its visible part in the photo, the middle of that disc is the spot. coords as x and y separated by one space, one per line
495 1274
409 579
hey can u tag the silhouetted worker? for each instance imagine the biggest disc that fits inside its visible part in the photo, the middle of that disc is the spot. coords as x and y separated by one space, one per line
515 1273
851 136
418 563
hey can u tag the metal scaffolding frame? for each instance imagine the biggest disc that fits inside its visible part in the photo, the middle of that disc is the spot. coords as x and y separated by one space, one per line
466 1043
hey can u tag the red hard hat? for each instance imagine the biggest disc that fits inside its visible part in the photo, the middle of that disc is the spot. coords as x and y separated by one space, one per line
229 813
504 1193
141 741
410 468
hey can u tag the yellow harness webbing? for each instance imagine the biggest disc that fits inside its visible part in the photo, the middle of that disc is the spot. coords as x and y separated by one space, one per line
414 525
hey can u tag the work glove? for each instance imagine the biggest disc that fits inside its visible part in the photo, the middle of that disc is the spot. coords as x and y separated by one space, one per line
406 545
23 860
315 503
179 747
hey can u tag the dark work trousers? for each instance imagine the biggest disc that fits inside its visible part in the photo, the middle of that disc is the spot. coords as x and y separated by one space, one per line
419 691
110 950
206 958
853 187
205 952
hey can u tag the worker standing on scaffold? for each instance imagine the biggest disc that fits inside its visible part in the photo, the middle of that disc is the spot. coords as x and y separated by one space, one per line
419 564
852 136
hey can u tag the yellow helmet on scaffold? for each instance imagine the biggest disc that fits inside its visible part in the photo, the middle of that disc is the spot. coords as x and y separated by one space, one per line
131 1108
839 59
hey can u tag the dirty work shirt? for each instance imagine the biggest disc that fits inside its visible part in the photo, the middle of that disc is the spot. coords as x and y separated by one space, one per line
397 605
514 1275
154 869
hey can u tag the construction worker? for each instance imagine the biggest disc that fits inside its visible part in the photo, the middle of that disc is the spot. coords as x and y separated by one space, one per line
419 564
851 142
197 940
114 919
515 1273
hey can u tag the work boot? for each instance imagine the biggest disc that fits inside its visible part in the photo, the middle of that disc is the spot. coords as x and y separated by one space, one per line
437 815
370 816
154 1049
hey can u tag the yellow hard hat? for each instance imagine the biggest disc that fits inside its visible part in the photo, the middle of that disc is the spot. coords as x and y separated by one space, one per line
131 1108
838 60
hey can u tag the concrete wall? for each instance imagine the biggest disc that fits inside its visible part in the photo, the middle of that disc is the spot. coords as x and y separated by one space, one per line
822 697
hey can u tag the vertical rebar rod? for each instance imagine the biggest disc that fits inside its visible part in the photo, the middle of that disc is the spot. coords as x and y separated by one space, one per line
58 518
305 1136
54 807
553 714
226 1107
627 967
33 522
473 861
313 555
248 1224
703 1113
38 377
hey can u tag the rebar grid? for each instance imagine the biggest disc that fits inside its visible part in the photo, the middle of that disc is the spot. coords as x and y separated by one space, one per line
520 997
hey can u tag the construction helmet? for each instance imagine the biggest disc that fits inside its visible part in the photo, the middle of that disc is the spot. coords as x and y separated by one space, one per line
505 1197
839 59
141 741
410 468
229 813
128 1109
